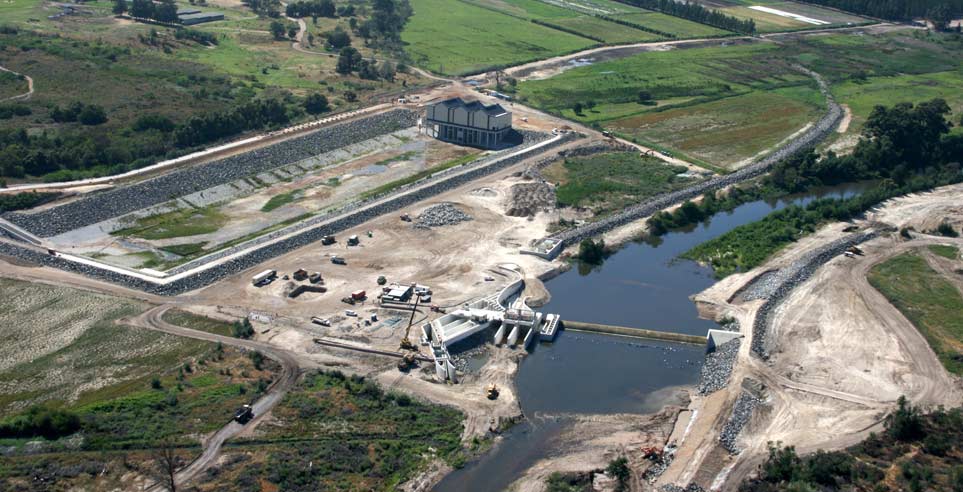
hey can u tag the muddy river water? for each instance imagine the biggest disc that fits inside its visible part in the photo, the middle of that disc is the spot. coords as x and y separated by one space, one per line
642 285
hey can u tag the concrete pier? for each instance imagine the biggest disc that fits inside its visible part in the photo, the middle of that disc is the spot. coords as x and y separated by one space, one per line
633 332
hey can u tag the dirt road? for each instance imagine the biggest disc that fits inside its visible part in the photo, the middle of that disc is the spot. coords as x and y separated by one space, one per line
291 365
25 95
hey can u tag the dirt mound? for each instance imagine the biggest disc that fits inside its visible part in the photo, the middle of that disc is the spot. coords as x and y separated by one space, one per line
530 198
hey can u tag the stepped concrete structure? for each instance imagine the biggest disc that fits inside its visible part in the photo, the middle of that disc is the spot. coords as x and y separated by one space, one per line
468 123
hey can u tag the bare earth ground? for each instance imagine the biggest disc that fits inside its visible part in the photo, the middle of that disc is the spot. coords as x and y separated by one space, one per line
841 354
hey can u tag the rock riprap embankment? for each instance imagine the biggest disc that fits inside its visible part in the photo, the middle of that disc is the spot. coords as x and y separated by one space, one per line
718 367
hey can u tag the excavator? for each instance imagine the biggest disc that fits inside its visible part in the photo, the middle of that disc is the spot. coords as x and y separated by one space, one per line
491 391
408 360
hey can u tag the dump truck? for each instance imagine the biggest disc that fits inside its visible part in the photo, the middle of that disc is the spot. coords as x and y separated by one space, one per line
315 277
353 240
326 240
300 274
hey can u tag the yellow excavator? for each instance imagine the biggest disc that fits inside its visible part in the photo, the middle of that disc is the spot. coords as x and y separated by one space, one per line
406 342
491 391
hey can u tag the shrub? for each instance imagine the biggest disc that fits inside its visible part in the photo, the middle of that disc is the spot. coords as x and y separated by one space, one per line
906 423
619 469
592 252
242 329
155 383
41 422
945 229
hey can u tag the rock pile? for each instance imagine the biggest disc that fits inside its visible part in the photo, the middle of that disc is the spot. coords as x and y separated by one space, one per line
530 198
440 215
741 413
718 367
671 487
98 207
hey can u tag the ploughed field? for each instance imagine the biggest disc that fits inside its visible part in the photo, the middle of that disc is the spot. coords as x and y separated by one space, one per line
783 15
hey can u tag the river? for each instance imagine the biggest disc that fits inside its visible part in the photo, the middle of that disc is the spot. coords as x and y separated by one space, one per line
643 285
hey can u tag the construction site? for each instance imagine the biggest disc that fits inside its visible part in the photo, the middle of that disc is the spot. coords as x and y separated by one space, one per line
443 268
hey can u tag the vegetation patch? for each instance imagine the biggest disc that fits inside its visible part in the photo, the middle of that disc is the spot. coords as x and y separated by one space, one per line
178 223
336 432
393 185
611 181
179 317
927 299
945 250
282 199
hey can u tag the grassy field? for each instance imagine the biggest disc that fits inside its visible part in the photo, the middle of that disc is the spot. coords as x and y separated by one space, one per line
484 38
612 181
933 304
678 26
770 22
341 433
946 251
572 18
197 322
728 131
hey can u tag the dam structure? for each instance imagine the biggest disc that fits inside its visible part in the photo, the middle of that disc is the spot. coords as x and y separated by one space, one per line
518 325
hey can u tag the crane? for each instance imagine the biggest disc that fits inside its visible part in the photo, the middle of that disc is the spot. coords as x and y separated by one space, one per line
406 342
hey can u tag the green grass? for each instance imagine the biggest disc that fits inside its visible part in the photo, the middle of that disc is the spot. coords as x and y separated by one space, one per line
483 38
946 251
282 199
678 26
609 32
186 249
187 319
728 131
387 187
177 223
928 300
612 181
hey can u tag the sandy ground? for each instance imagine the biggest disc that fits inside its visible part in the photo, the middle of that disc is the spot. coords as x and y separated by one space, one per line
841 354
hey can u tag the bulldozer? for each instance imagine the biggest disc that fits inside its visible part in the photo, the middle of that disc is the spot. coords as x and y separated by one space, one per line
491 391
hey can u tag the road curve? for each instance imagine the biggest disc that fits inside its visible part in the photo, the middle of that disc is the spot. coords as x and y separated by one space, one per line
152 319
25 95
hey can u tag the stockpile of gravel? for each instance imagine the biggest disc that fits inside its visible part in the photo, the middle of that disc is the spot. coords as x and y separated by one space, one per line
671 487
440 215
781 283
808 139
718 367
311 231
119 201
530 198
741 413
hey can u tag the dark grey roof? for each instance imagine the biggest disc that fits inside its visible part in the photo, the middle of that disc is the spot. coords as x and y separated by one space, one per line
492 109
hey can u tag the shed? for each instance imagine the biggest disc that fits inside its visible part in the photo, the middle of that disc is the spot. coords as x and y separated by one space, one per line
192 19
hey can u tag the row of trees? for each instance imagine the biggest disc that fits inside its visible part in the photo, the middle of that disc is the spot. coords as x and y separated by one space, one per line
350 60
86 114
697 13
252 115
899 10
312 8
165 11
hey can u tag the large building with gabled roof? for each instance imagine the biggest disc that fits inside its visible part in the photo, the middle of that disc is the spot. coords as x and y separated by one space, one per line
468 122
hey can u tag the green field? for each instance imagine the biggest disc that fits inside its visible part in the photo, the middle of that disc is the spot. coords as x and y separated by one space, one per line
609 32
931 302
612 181
770 22
727 131
678 26
946 251
483 38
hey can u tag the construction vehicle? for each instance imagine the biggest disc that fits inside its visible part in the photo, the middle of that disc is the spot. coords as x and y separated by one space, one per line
320 321
350 313
315 278
244 414
607 134
353 240
406 342
359 295
348 300
491 391
405 218
326 240
854 250
407 362
653 453
436 309
337 260
300 274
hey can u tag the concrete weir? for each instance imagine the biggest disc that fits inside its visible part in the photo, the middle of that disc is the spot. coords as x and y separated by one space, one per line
634 332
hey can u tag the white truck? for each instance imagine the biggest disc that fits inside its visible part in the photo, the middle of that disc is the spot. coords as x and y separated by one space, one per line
264 278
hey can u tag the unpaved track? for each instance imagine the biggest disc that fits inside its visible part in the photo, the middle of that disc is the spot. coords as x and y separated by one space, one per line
25 95
290 371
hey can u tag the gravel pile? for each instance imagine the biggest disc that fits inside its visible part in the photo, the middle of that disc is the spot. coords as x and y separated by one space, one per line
671 487
306 233
718 367
440 215
781 283
98 207
808 139
741 413
530 198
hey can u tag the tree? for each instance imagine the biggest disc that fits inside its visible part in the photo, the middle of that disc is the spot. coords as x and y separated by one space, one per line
592 252
645 97
577 107
242 329
92 115
338 38
166 461
142 8
166 12
292 31
387 71
906 423
278 30
619 469
316 103
349 60
120 6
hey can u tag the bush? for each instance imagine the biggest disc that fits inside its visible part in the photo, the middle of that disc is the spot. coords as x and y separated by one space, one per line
619 469
316 103
92 115
242 329
945 229
155 383
906 423
592 252
41 422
